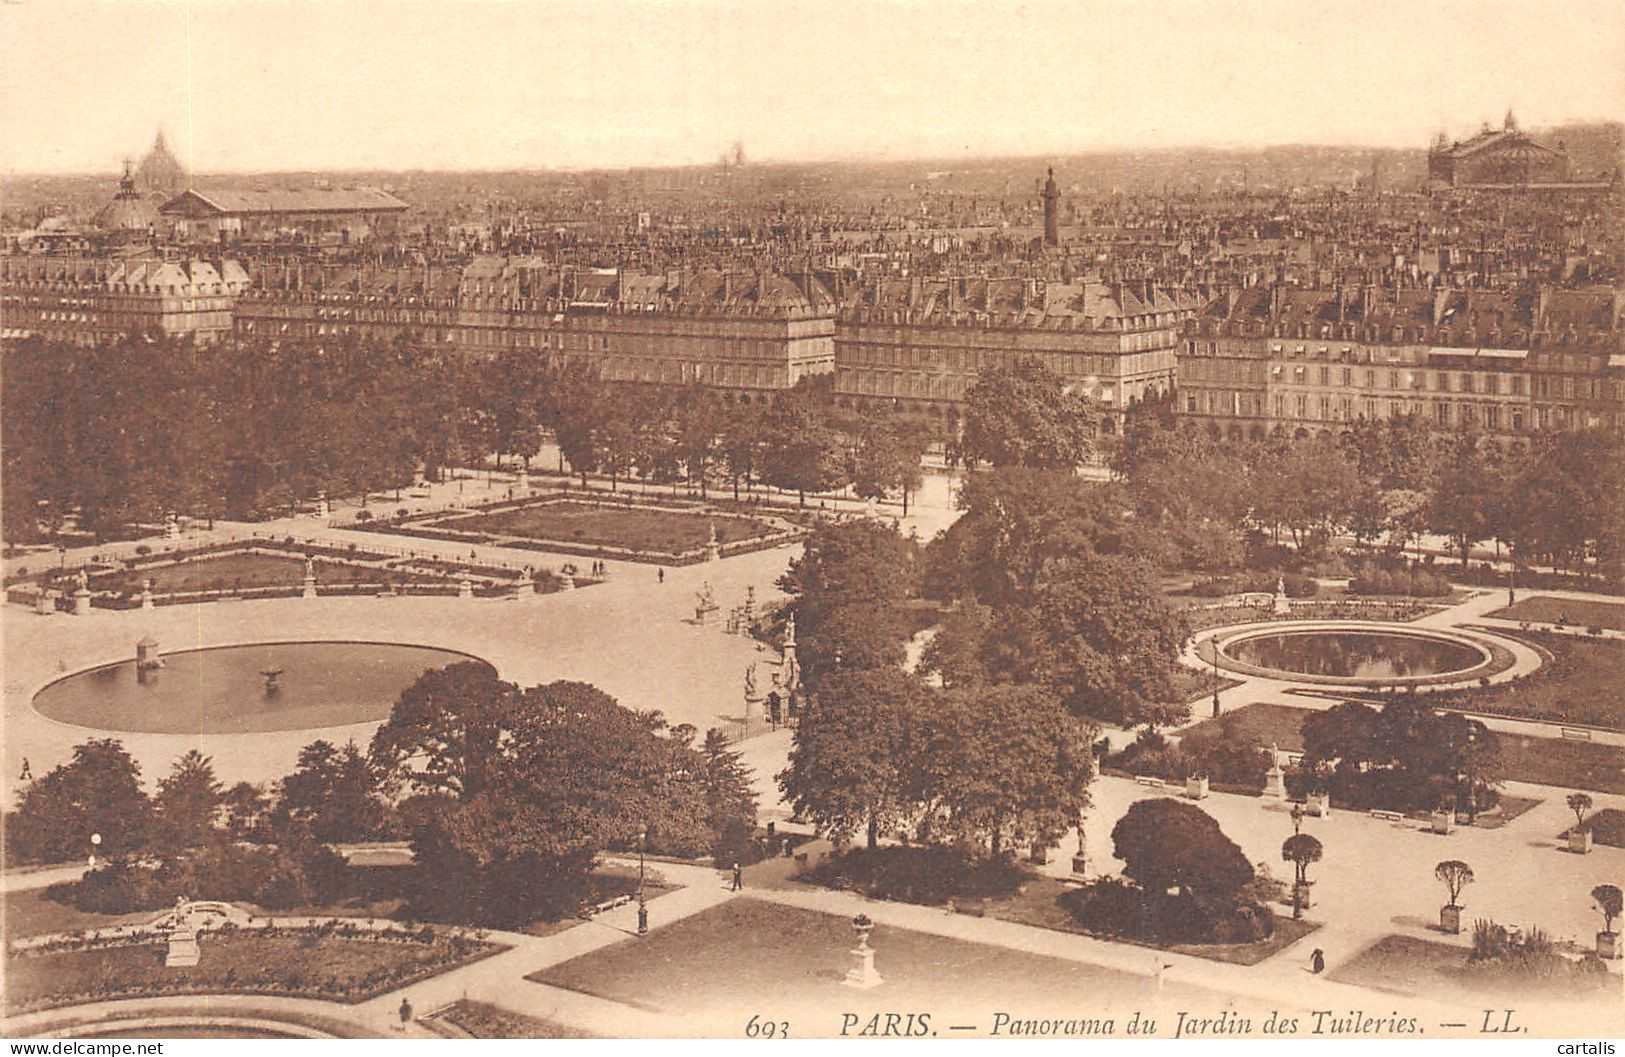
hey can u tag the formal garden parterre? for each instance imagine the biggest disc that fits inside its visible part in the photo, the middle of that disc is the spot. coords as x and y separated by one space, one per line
596 525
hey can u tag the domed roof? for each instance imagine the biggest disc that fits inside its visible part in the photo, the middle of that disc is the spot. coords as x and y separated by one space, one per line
160 171
128 211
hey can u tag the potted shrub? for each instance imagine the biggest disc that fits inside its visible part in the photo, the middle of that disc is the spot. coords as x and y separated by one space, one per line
1444 816
1300 850
1455 875
1196 786
1610 902
1580 835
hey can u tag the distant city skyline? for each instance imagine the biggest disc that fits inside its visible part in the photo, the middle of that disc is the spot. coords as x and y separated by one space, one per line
278 85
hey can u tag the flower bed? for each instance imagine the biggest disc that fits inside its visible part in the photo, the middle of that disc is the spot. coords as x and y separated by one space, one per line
340 962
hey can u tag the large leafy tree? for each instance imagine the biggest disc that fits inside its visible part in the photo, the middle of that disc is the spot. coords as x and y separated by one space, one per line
332 796
855 760
97 792
1024 415
1458 508
445 733
1053 593
520 788
1007 765
189 799
1167 844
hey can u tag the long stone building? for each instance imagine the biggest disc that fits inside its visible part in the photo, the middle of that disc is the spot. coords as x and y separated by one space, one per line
1311 362
921 344
743 332
86 299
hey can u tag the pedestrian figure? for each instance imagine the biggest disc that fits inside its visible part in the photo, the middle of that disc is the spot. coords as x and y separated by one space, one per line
1158 966
28 772
739 878
660 574
787 848
406 1014
1317 961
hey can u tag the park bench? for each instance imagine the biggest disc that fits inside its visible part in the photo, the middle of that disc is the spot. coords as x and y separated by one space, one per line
1145 780
1391 816
1572 734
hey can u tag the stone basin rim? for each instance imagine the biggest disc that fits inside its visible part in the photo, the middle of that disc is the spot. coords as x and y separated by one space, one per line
1220 638
34 692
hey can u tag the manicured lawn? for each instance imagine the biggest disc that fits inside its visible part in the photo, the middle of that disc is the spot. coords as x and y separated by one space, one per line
1545 761
485 1021
1545 609
1580 684
332 967
1438 972
32 913
230 572
1570 764
1036 905
1192 685
634 528
751 955
1277 725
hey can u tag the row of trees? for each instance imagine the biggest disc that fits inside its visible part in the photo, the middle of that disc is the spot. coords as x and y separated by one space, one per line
138 427
507 795
1560 500
801 442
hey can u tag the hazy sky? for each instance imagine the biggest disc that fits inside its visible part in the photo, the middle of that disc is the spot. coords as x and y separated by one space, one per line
286 84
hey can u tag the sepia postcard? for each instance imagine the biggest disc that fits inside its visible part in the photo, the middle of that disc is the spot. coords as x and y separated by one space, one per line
812 519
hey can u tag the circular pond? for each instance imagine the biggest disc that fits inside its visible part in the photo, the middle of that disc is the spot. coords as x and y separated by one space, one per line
1356 655
245 689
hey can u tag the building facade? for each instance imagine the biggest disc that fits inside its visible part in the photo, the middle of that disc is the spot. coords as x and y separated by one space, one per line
1304 363
1503 157
341 216
922 344
84 300
744 333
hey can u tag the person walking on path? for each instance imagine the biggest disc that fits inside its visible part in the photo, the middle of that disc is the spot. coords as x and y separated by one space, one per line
406 1014
739 878
1317 961
660 574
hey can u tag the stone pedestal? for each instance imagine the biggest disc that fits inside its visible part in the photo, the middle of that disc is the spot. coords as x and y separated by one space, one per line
1320 804
862 974
1608 945
705 616
1444 822
172 529
146 598
567 582
309 588
1196 788
1450 919
1580 841
81 602
465 588
1275 783
183 949
753 706
1079 865
45 603
1039 855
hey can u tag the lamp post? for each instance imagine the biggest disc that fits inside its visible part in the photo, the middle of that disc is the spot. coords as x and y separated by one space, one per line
95 843
643 902
1472 793
1213 644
